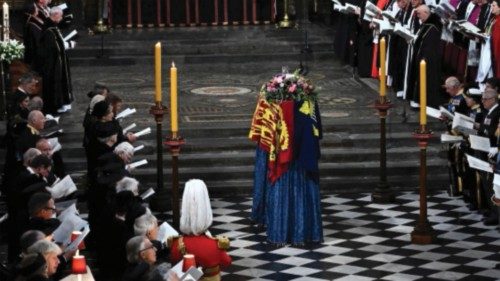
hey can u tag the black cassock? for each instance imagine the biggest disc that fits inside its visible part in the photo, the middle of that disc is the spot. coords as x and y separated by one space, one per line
345 31
32 34
426 47
364 45
54 69
398 49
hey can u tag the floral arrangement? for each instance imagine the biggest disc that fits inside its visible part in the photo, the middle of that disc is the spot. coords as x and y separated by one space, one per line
11 50
288 87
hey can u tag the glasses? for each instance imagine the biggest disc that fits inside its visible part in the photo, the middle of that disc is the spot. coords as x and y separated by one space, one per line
483 99
150 247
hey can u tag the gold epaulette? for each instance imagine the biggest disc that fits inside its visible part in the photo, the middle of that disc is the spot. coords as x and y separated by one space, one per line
170 240
222 242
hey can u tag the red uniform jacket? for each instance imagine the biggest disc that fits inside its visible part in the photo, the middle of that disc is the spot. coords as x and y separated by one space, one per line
208 252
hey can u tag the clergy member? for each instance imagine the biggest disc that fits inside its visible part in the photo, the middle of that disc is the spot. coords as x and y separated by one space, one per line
52 63
424 47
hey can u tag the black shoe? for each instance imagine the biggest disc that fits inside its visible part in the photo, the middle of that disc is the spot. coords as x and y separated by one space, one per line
497 266
491 221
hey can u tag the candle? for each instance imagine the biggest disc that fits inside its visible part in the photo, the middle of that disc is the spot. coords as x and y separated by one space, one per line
78 265
158 72
382 68
423 93
5 9
173 100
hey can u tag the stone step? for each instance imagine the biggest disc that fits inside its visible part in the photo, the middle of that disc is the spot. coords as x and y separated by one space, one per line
344 169
338 145
211 34
73 129
222 158
135 48
142 59
331 184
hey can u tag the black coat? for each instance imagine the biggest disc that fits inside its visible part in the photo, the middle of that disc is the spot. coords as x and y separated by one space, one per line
425 47
52 64
489 126
398 52
32 35
345 32
111 251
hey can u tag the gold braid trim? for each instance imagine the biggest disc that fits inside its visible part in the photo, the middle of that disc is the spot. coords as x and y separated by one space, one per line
181 246
223 242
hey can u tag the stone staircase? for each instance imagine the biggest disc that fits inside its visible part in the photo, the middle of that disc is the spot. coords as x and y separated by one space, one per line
219 152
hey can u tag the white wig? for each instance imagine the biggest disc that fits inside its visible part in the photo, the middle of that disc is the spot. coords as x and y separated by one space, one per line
196 213
128 184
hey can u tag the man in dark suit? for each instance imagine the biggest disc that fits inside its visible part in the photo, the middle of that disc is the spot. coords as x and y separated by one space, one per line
488 129
19 144
30 181
42 211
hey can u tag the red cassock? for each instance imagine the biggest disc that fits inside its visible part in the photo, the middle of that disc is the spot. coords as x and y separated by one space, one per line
495 46
210 253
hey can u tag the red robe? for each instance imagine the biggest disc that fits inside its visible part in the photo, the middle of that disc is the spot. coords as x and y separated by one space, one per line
495 46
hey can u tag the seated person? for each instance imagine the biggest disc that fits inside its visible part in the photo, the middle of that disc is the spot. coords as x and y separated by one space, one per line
17 218
58 169
42 211
196 218
50 251
147 225
36 103
29 238
141 255
32 267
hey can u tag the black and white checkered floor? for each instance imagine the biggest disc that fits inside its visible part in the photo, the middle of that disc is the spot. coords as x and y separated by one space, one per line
365 241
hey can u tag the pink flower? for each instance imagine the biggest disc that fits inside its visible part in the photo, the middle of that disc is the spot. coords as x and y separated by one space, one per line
292 88
278 79
271 89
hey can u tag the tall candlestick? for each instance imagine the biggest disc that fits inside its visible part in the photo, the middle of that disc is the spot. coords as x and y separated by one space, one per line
382 68
158 72
173 100
6 27
423 93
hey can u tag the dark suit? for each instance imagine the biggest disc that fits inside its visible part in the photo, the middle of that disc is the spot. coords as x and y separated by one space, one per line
487 129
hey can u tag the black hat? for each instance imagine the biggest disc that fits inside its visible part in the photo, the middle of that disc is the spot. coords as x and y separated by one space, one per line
100 109
46 226
106 129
